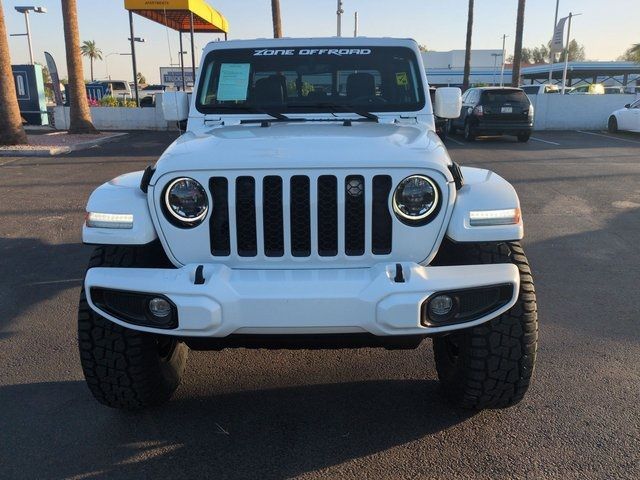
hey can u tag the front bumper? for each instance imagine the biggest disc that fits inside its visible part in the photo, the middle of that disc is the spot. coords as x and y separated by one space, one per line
323 301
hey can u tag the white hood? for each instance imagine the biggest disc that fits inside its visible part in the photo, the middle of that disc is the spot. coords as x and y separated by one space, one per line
306 145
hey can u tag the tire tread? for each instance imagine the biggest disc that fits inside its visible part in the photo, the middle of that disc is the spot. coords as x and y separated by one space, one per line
498 356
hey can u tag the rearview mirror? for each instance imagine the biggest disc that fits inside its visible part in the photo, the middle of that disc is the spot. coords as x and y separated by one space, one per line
628 105
175 106
448 102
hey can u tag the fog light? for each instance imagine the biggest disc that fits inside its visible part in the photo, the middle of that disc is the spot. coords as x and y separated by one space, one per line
159 307
441 305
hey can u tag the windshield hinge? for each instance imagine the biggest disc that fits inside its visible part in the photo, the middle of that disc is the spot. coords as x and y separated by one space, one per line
406 120
213 121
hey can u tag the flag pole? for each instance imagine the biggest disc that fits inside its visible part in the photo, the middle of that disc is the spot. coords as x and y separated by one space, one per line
551 52
566 55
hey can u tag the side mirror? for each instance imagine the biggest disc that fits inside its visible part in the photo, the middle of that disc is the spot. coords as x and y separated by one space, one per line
628 105
175 106
448 102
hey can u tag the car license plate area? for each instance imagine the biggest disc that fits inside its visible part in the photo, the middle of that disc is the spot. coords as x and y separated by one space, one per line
506 110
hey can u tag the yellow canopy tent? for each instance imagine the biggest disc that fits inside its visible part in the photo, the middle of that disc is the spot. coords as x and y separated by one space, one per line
193 16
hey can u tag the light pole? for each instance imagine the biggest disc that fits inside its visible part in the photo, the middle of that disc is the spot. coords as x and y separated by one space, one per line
355 24
504 38
339 13
106 62
495 61
25 10
133 39
182 53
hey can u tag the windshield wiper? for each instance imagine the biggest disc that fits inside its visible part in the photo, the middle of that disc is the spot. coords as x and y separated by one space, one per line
335 107
276 115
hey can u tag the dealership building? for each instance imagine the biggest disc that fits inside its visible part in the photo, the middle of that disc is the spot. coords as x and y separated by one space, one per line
447 69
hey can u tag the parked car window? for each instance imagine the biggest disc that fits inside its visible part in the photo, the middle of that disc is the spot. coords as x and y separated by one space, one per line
531 89
504 96
635 104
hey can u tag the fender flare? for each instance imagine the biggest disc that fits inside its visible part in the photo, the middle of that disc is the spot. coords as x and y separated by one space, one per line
121 195
483 190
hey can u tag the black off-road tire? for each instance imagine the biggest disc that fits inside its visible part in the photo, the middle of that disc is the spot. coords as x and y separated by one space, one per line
612 124
524 137
469 134
491 365
125 368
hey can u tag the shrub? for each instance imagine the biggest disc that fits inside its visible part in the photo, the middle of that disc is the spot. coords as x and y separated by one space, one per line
109 101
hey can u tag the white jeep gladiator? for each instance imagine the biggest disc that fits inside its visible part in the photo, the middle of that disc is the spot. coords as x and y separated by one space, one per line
309 204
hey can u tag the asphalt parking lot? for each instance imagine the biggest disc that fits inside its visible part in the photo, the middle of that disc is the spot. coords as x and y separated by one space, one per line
336 414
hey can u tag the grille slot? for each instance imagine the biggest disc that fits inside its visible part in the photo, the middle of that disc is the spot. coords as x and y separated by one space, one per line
219 220
276 216
300 211
354 215
273 225
246 216
381 223
327 216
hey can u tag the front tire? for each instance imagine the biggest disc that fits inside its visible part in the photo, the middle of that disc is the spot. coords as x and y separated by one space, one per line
491 365
125 368
612 124
524 137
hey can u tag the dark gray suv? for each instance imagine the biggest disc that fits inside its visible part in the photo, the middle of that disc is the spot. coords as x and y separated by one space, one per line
494 111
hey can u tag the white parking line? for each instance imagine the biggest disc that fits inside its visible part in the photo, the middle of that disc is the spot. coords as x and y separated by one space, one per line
457 142
544 141
608 136
7 162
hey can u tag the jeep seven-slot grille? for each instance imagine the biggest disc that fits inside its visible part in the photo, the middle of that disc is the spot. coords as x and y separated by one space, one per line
337 199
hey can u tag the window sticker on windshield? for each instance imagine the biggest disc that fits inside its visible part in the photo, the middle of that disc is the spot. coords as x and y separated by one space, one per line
402 79
234 81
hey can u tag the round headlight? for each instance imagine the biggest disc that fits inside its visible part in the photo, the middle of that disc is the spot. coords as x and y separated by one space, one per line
186 201
416 198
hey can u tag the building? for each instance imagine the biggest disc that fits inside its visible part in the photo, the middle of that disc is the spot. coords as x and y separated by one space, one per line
447 68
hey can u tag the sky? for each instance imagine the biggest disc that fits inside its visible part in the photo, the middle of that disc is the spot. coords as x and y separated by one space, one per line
606 27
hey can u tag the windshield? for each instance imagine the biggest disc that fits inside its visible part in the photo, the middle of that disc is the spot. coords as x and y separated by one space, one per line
299 80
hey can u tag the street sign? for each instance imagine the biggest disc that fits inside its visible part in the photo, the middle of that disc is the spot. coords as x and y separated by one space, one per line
172 77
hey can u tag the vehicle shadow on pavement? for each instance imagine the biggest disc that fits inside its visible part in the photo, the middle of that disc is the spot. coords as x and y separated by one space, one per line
273 433
37 271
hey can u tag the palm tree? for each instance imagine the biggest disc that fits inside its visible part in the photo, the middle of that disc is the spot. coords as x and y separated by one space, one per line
467 52
89 49
517 49
79 114
275 15
11 130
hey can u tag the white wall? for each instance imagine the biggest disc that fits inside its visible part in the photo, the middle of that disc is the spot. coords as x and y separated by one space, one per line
120 118
576 112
